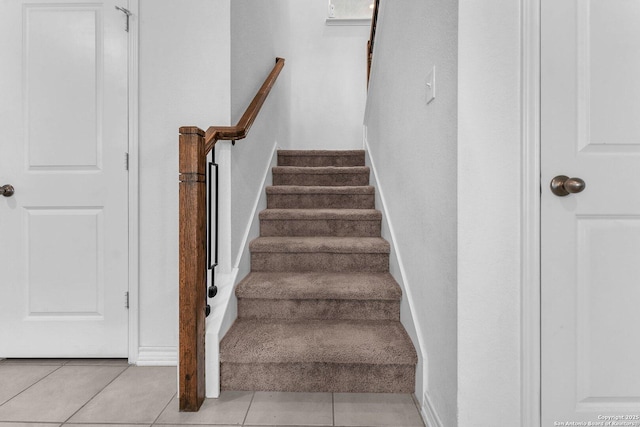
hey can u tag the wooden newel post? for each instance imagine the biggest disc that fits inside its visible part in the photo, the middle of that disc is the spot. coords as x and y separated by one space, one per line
192 268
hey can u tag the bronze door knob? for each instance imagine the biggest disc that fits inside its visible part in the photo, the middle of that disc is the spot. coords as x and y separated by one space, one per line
7 190
562 185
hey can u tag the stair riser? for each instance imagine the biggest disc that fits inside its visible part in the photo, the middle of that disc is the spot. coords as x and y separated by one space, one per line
321 201
319 227
334 179
318 309
321 161
318 377
336 262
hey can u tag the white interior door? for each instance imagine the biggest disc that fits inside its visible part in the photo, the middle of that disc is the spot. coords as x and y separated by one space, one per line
591 240
63 139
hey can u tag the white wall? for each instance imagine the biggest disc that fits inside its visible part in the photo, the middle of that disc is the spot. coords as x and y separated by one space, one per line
488 214
184 80
318 101
190 76
259 34
328 79
413 146
489 169
325 76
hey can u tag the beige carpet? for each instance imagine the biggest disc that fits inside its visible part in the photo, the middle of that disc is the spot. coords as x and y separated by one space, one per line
319 311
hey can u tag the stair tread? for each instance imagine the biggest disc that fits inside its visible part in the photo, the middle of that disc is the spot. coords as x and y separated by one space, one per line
343 286
326 244
317 341
309 153
320 170
317 158
320 189
322 214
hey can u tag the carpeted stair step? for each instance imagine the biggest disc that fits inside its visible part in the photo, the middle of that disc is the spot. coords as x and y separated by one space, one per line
325 254
321 176
320 222
317 356
296 296
319 311
320 197
316 158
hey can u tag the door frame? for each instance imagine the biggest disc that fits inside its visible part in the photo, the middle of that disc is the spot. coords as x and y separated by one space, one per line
133 182
531 285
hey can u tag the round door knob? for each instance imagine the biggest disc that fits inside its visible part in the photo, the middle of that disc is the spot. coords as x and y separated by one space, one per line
7 190
562 185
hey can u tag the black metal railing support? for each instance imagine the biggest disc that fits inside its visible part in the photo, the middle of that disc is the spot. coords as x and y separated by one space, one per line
212 228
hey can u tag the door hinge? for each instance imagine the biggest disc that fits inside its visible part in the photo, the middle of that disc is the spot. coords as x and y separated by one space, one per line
126 161
126 300
127 14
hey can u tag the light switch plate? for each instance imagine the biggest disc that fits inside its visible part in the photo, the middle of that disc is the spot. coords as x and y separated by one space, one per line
431 85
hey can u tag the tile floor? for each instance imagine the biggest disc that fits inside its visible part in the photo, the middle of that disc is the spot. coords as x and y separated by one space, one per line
110 393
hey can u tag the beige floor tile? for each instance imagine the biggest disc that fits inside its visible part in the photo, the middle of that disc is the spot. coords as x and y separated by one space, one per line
3 424
375 410
230 408
16 378
52 362
199 425
281 408
104 425
97 362
58 396
138 396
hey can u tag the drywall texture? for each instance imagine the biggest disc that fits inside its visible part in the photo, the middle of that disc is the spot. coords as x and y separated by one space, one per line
328 79
413 146
489 213
259 34
184 80
318 101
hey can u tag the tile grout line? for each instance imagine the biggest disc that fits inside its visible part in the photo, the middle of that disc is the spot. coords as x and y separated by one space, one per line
165 408
244 420
28 387
97 393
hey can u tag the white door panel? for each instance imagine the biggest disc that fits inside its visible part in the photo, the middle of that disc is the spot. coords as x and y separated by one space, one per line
63 115
591 241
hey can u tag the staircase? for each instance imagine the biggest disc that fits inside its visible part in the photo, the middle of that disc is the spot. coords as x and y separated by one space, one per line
319 310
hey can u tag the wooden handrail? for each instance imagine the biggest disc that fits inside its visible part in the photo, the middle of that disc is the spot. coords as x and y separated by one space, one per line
239 131
372 38
195 144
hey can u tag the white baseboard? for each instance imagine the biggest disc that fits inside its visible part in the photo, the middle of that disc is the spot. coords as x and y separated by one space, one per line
218 323
402 275
399 273
157 356
429 414
254 214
